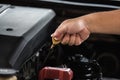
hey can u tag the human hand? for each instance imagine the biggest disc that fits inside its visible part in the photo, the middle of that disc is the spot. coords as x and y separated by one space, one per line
72 32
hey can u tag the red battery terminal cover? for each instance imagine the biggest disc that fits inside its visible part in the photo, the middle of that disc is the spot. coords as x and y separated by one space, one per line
55 73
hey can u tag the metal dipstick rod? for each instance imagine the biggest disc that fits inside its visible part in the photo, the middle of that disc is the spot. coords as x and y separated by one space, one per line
51 50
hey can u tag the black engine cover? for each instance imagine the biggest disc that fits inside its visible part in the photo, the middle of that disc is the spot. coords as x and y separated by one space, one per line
22 30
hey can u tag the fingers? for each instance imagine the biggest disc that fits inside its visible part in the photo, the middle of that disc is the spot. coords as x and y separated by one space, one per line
84 34
78 40
69 39
73 39
59 32
71 32
65 39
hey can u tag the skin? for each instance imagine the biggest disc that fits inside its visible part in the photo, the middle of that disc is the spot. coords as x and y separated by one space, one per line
76 30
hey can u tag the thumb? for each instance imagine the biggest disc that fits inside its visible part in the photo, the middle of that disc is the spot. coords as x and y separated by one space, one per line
59 33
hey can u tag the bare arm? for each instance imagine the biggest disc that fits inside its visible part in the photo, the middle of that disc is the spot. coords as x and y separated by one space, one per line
104 22
75 31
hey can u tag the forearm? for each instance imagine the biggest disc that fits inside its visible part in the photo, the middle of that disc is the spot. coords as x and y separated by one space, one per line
104 22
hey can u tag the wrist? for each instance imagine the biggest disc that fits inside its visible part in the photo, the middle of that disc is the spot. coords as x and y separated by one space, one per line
91 22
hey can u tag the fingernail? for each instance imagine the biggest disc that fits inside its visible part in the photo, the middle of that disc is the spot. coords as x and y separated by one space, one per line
79 43
51 35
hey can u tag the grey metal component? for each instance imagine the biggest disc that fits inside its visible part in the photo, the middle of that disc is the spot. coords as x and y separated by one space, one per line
22 30
3 7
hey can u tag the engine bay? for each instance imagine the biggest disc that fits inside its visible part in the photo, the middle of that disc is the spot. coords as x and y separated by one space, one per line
25 29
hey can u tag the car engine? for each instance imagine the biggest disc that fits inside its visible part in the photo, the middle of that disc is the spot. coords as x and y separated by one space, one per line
25 29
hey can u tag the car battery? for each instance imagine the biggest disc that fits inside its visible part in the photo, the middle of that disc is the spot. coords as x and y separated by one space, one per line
55 73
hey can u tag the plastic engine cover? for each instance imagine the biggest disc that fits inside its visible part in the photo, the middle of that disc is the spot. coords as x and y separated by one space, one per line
22 30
